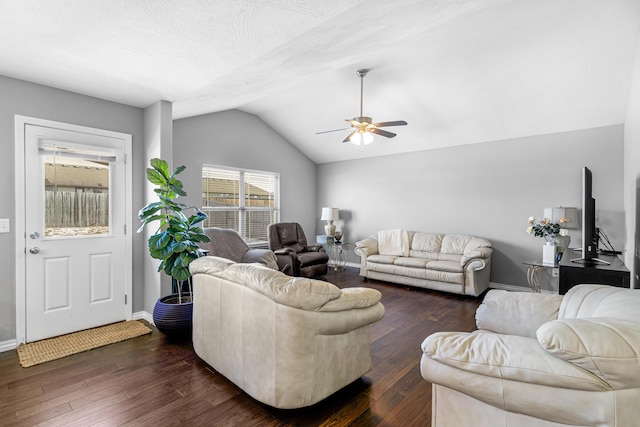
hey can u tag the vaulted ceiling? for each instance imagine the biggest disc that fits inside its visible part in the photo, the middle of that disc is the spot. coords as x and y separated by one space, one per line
458 71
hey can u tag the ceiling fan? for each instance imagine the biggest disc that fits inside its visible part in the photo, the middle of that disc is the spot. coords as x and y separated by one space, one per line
363 127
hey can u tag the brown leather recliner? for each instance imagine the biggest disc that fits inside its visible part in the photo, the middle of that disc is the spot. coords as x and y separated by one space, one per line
295 258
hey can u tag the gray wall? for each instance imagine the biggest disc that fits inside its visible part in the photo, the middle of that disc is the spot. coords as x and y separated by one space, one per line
238 139
28 99
488 190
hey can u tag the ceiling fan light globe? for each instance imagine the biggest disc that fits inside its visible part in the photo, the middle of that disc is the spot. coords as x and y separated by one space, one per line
361 138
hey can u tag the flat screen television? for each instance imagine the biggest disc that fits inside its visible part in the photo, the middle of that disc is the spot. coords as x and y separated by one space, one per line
589 231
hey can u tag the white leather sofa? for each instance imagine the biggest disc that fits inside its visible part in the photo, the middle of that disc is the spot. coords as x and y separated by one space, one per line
540 360
454 263
289 342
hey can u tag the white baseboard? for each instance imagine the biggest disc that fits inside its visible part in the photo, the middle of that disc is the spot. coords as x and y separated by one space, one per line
8 345
142 315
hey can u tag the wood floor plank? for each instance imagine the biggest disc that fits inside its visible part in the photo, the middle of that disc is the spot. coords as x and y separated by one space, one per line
155 381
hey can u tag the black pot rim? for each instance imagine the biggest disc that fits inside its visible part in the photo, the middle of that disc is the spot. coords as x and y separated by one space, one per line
162 300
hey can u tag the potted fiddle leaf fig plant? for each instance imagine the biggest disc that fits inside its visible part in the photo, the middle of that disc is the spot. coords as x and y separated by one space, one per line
174 243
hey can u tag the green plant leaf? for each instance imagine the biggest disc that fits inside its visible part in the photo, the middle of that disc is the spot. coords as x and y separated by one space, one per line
181 273
178 170
161 166
155 177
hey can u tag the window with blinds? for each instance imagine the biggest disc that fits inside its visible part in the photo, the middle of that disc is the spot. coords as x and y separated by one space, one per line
242 200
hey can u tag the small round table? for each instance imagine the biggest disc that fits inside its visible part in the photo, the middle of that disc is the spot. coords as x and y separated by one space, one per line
336 254
533 269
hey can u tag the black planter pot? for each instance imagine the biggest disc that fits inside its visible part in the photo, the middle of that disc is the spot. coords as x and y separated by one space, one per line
172 318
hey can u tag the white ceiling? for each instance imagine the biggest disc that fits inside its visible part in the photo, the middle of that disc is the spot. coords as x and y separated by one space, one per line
458 71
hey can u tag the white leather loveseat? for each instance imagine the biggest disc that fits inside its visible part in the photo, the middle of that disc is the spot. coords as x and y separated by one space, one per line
289 342
454 263
540 360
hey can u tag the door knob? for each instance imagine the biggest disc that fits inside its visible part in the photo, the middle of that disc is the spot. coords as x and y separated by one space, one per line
34 235
34 250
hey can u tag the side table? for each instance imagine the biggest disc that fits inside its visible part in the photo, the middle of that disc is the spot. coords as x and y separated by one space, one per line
336 254
533 271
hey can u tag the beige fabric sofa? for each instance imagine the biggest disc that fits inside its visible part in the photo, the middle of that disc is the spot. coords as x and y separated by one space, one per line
540 360
446 262
289 342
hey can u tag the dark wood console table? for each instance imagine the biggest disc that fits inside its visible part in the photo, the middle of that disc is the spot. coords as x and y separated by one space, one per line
575 273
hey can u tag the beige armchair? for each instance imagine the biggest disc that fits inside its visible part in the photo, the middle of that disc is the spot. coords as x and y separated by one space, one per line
540 360
295 257
289 342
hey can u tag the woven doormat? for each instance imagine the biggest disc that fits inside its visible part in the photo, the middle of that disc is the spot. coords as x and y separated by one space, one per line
38 352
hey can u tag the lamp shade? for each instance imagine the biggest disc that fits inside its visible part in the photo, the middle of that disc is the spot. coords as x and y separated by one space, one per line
329 214
571 215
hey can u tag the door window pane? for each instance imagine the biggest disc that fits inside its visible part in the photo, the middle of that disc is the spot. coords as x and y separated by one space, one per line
76 195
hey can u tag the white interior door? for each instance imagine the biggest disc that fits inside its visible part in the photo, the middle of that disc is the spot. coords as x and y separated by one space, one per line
75 217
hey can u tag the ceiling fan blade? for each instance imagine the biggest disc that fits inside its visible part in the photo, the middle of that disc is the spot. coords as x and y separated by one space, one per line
334 130
382 133
349 137
395 123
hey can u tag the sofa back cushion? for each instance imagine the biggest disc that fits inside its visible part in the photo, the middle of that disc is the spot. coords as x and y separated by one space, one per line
298 292
586 301
426 242
598 329
425 245
454 243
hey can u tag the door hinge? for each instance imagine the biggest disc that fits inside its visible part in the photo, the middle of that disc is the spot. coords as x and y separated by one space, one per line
125 299
125 229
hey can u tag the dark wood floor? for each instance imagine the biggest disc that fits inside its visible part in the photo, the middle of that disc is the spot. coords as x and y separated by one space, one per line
153 381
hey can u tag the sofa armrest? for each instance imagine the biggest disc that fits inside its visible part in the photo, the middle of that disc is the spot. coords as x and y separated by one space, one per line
475 253
345 321
284 251
314 248
511 373
261 256
516 313
605 346
503 357
367 247
353 298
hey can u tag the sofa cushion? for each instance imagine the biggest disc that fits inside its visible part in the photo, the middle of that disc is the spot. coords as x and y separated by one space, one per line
288 233
423 254
606 346
426 242
450 257
516 313
382 259
312 258
599 301
455 243
412 262
450 266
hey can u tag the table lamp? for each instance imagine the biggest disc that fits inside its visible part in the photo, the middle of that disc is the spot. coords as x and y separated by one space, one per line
329 215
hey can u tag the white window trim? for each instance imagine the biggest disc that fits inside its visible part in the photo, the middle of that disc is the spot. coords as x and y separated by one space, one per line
241 209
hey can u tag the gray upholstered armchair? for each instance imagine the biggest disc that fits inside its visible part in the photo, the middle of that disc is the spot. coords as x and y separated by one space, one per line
295 258
228 244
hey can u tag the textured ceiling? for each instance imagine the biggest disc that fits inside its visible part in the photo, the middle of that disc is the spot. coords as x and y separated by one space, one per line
459 72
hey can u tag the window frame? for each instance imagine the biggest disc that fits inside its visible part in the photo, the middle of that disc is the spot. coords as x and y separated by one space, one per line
241 209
